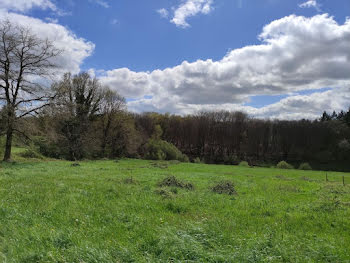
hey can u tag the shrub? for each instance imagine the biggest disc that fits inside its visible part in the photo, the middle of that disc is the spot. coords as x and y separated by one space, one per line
184 158
231 159
224 187
197 160
30 153
47 148
244 164
305 166
162 150
284 165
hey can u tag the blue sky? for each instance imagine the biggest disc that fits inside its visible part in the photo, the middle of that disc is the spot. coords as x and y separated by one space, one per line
132 35
142 41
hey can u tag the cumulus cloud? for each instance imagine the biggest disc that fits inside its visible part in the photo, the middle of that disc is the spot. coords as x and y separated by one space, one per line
306 106
75 49
311 4
163 12
296 53
26 5
190 8
51 20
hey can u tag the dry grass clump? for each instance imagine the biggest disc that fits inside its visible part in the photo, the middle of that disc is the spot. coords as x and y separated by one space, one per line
174 182
224 187
165 193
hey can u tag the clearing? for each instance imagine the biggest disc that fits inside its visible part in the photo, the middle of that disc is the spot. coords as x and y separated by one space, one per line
125 211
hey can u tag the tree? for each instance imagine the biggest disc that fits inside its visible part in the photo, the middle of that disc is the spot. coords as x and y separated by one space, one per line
78 101
111 104
25 60
347 118
325 117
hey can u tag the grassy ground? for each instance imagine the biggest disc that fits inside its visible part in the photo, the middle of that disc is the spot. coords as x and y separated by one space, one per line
107 211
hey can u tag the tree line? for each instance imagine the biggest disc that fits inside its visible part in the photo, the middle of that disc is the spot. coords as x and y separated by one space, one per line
76 118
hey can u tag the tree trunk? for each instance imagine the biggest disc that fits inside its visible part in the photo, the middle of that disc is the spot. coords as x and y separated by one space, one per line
8 147
9 134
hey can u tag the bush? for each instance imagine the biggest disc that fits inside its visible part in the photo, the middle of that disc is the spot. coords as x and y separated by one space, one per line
184 158
30 153
244 164
305 166
284 165
47 148
197 160
231 159
162 150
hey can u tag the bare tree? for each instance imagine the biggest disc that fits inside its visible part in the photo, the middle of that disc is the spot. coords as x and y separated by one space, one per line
111 104
25 60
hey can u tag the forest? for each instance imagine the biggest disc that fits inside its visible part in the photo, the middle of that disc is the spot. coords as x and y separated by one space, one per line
76 117
87 121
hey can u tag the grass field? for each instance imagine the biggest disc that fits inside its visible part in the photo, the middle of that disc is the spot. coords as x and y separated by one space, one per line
107 211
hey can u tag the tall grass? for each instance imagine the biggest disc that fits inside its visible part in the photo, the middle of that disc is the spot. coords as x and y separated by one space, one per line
51 211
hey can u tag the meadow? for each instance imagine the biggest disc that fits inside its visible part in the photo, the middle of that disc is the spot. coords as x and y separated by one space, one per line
116 211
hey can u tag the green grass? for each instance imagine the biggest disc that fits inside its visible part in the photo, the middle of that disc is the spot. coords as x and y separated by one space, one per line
107 211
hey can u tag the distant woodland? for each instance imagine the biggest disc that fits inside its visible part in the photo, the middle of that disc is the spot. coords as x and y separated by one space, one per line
77 118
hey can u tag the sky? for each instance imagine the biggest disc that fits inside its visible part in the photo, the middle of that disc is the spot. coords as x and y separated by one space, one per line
285 59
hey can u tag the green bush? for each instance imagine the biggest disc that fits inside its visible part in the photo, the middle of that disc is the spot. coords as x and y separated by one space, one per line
162 150
47 148
184 158
284 165
30 153
305 166
197 160
231 159
244 164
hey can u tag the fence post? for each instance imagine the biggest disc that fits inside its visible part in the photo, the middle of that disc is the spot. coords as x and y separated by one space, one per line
343 180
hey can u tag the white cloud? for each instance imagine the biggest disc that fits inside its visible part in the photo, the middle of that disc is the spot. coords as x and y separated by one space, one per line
296 53
114 22
307 106
26 5
163 12
51 20
100 2
190 8
311 4
75 49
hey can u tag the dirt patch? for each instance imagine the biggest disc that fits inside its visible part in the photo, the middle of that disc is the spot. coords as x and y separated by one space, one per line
224 187
174 182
